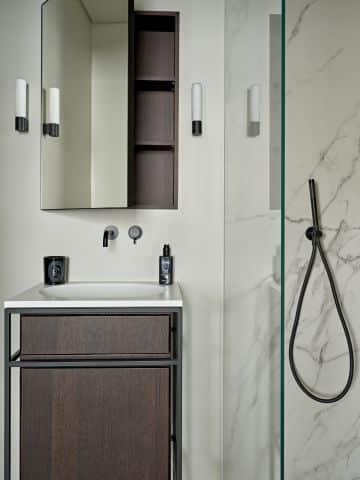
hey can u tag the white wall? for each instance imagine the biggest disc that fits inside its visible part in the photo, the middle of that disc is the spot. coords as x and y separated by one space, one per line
195 231
252 233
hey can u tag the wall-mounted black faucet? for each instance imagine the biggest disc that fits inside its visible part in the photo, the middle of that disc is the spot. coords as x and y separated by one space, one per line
110 233
106 239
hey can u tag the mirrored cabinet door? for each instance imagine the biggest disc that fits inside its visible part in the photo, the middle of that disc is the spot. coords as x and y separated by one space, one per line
85 90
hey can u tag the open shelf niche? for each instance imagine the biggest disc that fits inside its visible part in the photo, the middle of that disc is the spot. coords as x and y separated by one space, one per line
155 152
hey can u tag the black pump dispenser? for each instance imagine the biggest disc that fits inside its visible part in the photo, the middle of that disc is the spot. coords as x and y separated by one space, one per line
166 264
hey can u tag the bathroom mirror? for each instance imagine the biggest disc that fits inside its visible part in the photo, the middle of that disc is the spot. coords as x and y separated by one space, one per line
85 103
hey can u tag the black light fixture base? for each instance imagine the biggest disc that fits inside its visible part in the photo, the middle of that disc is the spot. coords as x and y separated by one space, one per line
21 124
197 128
51 129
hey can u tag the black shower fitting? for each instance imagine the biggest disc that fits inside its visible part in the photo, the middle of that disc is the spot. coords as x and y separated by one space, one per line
314 234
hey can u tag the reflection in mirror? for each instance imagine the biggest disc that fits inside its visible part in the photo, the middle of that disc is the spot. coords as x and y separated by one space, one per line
85 45
275 110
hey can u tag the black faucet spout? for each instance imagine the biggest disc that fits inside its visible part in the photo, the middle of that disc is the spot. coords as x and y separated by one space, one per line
110 233
106 239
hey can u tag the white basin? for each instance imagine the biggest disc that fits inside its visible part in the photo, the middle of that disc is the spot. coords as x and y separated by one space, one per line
98 295
103 291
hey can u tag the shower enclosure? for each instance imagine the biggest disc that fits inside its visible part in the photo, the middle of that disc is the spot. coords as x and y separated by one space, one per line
304 58
252 325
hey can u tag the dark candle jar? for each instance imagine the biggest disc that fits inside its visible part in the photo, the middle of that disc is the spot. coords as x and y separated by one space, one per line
55 270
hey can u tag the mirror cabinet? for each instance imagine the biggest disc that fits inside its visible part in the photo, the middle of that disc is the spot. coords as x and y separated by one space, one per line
109 106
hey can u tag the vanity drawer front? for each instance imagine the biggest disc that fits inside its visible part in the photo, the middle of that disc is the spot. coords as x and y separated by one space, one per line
132 336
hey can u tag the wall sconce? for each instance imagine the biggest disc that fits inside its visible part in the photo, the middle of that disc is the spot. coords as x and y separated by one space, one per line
254 111
52 127
197 107
21 107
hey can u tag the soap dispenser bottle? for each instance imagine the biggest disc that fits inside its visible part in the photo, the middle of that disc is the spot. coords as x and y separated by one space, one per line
166 264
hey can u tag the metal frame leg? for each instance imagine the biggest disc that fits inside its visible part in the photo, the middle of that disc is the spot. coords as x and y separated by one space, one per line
178 399
7 398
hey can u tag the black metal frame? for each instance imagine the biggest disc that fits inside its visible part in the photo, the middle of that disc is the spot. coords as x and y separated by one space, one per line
12 360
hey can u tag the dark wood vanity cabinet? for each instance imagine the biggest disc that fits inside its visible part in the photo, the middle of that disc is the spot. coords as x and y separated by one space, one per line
95 424
100 395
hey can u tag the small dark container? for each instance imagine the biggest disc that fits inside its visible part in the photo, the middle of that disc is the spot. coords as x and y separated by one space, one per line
166 267
55 270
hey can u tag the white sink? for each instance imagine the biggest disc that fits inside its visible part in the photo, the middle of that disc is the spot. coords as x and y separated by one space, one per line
103 291
98 295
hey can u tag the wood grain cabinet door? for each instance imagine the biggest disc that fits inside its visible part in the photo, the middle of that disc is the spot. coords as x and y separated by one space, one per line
95 424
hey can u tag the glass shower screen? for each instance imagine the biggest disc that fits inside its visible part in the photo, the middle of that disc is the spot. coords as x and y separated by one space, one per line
253 244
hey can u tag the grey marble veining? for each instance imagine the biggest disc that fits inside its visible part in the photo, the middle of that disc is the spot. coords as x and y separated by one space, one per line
300 18
323 141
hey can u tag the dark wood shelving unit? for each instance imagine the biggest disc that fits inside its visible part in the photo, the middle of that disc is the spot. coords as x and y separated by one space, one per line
156 97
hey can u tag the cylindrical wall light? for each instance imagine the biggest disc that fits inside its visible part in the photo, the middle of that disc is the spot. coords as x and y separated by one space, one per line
254 111
52 127
21 120
197 109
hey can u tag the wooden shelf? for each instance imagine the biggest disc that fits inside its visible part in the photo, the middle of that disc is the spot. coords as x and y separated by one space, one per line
149 78
155 85
151 146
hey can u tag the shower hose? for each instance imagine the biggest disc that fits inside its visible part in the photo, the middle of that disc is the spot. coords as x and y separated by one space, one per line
314 234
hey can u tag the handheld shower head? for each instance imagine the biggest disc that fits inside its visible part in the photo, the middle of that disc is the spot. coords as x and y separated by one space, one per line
313 233
313 200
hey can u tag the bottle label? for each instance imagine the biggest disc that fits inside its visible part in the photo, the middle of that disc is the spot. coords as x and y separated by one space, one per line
165 271
166 265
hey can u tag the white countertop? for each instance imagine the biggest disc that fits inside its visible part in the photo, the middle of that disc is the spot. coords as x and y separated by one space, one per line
40 296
